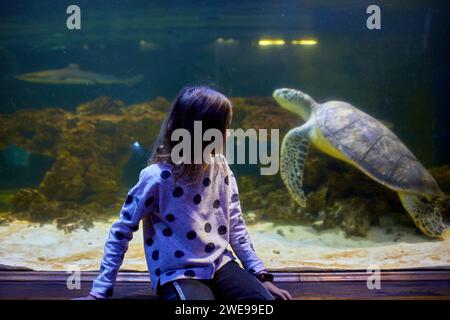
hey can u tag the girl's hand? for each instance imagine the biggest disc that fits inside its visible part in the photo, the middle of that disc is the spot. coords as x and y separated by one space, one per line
275 291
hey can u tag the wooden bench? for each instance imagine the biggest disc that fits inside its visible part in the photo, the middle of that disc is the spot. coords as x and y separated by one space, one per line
395 284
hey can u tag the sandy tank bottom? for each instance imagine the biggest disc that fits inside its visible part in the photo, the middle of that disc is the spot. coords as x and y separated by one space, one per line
281 247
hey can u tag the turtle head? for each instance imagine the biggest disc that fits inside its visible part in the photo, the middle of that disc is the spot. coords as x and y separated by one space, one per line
295 101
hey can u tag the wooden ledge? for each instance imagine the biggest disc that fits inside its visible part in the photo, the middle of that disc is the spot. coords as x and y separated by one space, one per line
327 284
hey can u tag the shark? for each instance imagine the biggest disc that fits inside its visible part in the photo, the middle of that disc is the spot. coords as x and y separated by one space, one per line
73 75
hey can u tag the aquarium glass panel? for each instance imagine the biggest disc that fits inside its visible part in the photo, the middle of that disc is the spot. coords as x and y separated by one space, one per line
360 143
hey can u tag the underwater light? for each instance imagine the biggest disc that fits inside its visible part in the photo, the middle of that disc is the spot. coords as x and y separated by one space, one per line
136 145
305 42
271 42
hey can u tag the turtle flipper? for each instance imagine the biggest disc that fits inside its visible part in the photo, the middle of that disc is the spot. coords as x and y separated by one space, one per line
294 150
426 214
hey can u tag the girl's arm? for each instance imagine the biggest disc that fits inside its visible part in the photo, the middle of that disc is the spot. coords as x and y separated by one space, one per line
239 237
242 246
141 199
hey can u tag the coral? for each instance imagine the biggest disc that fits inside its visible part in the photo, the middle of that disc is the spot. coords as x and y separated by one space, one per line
101 105
90 147
160 104
76 217
442 176
267 197
65 180
5 199
22 199
317 200
102 182
353 216
32 205
38 131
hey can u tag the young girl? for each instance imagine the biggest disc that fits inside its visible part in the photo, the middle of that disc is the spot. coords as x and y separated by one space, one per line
190 213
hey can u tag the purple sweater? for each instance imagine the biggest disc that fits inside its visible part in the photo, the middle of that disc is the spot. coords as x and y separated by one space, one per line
187 227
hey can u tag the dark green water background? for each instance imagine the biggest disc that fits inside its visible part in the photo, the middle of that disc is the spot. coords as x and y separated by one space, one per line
399 74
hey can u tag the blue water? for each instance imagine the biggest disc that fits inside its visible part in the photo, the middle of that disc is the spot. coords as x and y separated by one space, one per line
399 74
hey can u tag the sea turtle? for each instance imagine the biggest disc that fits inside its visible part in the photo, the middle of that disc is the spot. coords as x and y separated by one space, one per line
342 131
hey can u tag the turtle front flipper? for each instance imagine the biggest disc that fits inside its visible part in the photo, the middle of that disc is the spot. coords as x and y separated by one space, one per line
426 214
294 150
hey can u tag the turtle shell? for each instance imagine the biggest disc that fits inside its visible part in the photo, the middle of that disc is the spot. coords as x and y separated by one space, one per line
375 149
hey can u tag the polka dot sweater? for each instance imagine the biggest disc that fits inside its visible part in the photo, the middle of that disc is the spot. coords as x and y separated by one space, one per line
187 227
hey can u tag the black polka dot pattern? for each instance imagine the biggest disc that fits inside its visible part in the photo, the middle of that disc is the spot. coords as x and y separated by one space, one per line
134 228
210 247
197 199
191 235
119 235
167 232
189 273
222 230
179 254
165 174
212 228
126 215
206 182
177 192
149 201
129 199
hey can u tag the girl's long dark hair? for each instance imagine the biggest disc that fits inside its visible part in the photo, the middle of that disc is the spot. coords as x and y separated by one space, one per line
197 103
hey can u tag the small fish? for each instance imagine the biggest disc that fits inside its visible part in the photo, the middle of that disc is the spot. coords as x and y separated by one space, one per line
73 75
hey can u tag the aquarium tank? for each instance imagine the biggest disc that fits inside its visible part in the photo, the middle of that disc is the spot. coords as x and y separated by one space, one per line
85 86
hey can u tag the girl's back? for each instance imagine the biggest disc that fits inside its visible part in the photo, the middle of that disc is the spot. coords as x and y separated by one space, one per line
186 230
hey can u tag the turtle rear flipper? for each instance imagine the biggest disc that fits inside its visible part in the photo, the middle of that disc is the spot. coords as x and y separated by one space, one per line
294 151
426 214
